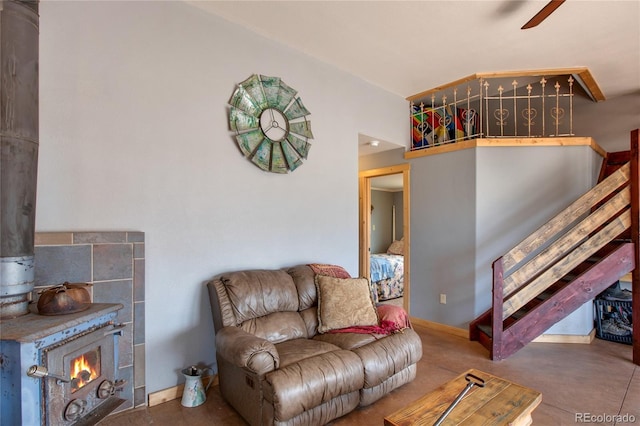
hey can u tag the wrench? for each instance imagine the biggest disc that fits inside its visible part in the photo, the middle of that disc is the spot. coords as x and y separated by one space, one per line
472 381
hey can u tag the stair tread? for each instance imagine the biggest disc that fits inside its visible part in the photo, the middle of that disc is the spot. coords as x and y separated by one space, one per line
486 329
519 314
544 295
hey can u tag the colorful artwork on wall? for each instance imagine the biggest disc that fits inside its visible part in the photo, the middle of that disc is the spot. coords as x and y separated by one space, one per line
270 124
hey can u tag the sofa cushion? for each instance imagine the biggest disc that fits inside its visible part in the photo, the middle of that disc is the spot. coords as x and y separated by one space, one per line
277 327
347 341
313 381
304 279
385 357
344 302
292 351
310 318
256 293
371 395
320 414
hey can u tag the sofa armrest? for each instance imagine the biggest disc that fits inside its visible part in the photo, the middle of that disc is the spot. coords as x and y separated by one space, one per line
246 350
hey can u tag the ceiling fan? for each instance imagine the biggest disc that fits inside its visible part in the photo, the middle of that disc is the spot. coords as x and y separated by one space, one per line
543 14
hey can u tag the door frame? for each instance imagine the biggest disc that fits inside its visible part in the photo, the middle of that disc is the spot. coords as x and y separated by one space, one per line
364 189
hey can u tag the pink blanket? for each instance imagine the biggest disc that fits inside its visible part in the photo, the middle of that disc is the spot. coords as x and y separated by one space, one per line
392 319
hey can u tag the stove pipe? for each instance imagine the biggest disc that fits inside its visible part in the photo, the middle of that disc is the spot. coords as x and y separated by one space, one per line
19 32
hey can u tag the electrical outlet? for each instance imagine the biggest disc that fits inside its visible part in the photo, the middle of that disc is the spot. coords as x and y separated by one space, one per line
443 298
374 227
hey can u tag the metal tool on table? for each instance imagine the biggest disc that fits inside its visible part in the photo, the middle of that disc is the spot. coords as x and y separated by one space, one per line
472 380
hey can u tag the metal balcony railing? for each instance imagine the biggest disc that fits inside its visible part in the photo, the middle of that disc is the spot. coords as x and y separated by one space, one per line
498 105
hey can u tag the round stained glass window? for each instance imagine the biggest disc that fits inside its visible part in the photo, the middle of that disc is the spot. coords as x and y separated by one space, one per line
270 124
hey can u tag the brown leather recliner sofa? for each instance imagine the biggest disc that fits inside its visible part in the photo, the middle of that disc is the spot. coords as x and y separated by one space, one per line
275 368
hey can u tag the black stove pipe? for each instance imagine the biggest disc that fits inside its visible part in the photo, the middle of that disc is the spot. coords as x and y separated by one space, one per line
19 33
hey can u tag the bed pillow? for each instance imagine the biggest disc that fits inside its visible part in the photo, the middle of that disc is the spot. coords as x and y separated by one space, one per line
344 302
396 247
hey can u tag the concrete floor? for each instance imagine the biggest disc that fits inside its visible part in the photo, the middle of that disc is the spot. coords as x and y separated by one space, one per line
599 379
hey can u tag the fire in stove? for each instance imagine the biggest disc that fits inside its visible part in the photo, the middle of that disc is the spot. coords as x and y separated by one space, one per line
85 369
76 379
89 364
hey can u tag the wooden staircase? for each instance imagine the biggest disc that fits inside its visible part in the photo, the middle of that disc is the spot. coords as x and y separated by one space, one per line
568 261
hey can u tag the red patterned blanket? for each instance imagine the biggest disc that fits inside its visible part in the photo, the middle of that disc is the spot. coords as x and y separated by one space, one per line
334 271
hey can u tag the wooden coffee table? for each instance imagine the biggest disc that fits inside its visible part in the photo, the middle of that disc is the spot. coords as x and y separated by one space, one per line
499 402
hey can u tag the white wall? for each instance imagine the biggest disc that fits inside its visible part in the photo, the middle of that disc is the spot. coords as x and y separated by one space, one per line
470 207
381 221
443 192
134 135
385 158
519 190
609 122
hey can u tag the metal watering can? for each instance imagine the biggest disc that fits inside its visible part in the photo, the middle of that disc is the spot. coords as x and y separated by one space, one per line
195 393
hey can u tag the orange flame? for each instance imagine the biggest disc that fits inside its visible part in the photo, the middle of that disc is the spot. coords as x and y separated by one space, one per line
83 372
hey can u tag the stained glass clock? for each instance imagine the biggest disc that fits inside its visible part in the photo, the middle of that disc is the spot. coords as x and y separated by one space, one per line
270 124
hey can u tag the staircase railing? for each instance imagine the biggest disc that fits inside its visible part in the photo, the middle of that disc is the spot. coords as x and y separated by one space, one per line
559 246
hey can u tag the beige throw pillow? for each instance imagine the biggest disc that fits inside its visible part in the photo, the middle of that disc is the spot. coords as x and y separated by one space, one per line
344 302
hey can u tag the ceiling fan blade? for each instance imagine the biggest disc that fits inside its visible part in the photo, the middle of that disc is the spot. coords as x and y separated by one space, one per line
543 14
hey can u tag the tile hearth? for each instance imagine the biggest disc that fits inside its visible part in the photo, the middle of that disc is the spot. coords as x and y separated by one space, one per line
114 263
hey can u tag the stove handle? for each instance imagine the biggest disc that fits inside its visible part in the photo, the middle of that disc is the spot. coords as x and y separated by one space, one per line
40 371
75 409
109 388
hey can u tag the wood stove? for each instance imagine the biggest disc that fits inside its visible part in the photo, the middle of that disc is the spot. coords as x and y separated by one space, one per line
60 370
45 347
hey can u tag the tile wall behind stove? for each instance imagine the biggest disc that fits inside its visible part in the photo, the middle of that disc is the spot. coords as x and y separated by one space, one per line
114 263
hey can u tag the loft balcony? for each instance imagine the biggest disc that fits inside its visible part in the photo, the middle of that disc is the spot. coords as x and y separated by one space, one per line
516 107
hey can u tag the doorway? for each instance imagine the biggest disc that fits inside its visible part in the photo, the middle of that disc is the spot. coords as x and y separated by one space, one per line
367 178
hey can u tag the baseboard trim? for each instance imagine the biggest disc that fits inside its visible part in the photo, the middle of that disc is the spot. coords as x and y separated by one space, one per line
566 338
175 392
545 338
460 332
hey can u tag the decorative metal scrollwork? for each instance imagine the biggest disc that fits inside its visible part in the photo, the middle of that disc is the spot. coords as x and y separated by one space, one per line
557 113
529 114
501 115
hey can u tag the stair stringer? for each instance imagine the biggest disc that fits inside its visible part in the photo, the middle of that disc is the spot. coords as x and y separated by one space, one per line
583 288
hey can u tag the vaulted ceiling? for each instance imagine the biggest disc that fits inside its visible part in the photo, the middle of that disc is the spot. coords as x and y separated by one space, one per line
406 47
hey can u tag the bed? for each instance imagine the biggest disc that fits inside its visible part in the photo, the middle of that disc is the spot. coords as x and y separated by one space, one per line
387 276
386 270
